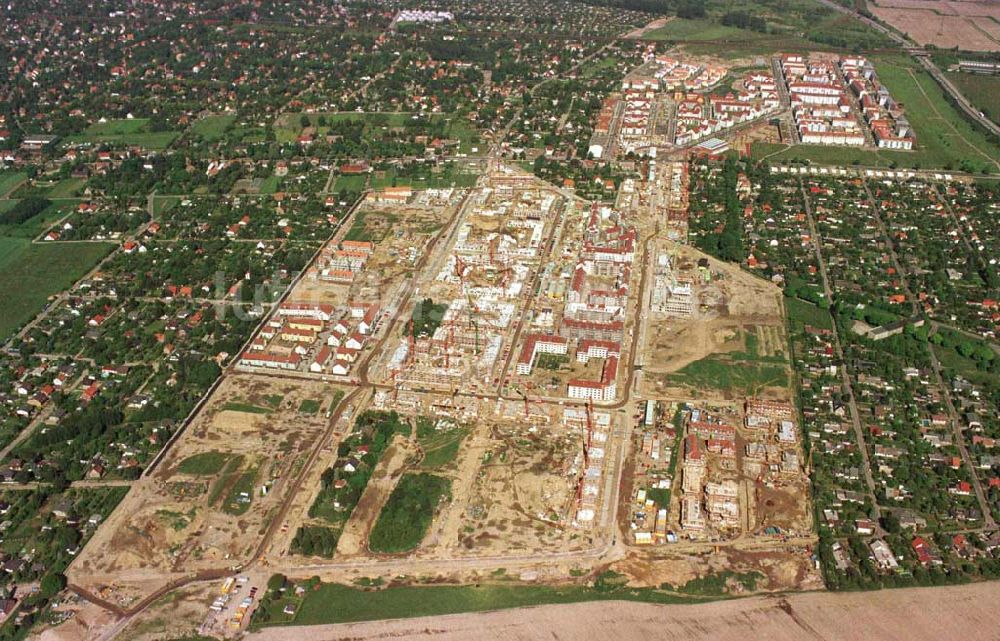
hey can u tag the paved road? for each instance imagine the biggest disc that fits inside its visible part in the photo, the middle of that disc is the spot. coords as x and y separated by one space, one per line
915 309
845 377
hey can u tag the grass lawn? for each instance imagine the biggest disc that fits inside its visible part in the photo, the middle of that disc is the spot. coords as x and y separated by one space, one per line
34 226
448 177
371 226
744 377
982 91
335 603
124 132
206 463
407 514
30 273
288 127
117 127
440 446
309 406
270 184
67 188
595 67
801 312
163 204
241 495
229 474
293 120
212 128
353 183
248 408
702 38
389 178
966 367
944 138
9 180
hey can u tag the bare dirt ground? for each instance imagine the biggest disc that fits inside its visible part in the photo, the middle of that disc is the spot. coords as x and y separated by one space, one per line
970 26
88 620
732 304
175 522
779 568
652 26
519 499
987 8
920 614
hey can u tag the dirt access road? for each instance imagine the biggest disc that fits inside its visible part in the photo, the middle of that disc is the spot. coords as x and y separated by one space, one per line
919 614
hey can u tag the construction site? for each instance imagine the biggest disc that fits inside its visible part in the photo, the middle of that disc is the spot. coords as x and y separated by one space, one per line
506 333
215 493
334 314
491 315
471 299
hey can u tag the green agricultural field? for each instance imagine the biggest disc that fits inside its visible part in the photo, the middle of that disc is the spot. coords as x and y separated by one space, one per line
36 225
30 273
212 128
9 180
336 603
408 513
982 91
680 29
204 464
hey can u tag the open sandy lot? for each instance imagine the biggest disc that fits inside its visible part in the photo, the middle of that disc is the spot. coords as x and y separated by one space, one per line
962 612
971 26
207 505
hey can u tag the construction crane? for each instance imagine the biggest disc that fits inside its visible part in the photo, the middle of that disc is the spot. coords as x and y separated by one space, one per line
411 352
460 271
589 439
505 276
472 321
586 441
524 397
